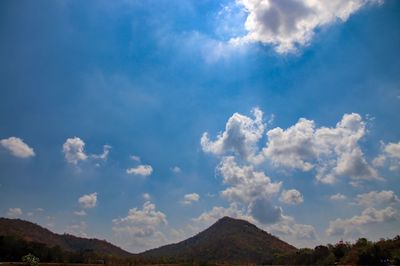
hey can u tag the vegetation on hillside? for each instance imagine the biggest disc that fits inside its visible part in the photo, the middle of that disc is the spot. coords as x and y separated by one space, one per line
227 242
32 232
362 252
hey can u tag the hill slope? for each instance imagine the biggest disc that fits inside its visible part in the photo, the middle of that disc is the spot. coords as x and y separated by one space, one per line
34 233
228 240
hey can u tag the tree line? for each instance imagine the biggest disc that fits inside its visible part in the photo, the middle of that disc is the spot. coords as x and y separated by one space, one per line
362 252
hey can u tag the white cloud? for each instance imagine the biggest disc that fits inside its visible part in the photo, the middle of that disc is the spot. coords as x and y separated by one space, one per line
143 170
190 198
80 213
292 148
176 170
141 227
104 155
393 150
241 136
368 216
390 154
353 164
333 152
146 196
88 201
245 184
135 158
291 196
290 24
375 198
73 149
14 212
338 197
17 147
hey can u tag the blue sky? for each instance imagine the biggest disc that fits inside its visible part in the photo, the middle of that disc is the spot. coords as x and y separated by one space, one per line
104 106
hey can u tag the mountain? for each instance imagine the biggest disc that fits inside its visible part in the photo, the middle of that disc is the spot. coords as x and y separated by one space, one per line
228 240
34 233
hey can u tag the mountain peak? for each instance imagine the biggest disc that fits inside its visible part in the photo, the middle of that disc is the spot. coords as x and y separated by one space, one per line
227 240
230 219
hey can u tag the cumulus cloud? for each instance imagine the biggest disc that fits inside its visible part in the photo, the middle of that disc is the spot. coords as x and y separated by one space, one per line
290 24
14 212
265 212
291 196
390 154
88 201
245 185
333 152
17 147
142 170
142 226
292 148
240 137
377 198
73 149
190 198
338 197
368 216
393 150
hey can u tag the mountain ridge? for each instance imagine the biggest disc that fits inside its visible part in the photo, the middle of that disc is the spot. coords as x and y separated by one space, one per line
227 240
33 232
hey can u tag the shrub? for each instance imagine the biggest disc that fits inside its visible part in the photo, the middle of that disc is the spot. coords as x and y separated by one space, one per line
30 260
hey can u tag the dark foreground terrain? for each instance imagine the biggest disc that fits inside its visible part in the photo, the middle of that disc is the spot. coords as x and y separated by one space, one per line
227 242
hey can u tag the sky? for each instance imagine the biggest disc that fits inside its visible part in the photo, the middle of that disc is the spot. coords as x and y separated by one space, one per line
144 122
